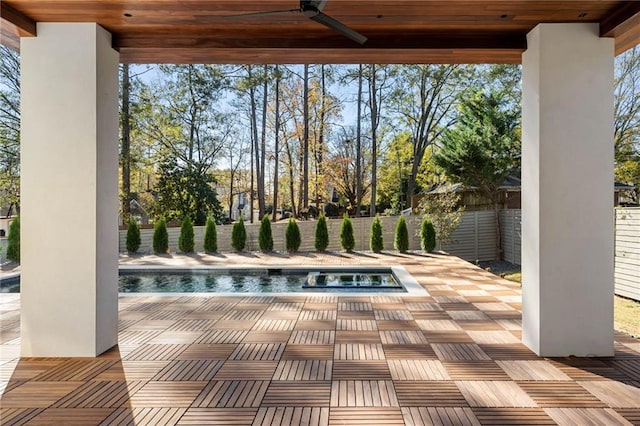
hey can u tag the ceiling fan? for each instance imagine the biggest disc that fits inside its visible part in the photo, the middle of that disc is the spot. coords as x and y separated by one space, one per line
312 9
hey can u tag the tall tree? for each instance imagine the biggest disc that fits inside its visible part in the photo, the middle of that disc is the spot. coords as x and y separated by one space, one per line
125 150
9 130
305 150
276 150
482 149
424 101
359 144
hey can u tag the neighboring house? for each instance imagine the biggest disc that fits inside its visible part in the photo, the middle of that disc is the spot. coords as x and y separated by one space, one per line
510 195
470 198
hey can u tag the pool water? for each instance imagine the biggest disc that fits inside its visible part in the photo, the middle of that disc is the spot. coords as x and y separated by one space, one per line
244 281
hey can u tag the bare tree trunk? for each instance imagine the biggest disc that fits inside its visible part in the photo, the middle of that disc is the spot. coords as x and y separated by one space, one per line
359 145
254 139
126 145
276 153
263 148
320 142
305 173
374 140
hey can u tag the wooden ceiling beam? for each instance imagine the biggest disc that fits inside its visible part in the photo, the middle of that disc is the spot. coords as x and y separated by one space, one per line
623 25
13 25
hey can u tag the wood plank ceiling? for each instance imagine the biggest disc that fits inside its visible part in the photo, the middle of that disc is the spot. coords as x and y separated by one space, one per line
398 31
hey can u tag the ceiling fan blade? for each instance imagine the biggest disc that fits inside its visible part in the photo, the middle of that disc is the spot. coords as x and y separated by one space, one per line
338 26
261 14
319 4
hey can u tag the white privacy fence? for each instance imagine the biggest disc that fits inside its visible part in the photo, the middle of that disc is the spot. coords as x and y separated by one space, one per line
475 239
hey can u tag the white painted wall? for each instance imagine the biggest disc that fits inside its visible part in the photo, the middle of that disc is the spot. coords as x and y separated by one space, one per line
567 147
69 154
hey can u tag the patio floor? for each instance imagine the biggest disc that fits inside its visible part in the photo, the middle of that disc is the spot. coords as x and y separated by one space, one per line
452 357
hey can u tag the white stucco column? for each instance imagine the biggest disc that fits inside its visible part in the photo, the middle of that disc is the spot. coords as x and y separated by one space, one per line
567 188
69 191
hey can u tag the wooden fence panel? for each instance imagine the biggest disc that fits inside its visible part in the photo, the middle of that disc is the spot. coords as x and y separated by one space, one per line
627 253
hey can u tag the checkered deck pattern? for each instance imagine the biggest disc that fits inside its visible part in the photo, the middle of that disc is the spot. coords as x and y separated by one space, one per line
453 357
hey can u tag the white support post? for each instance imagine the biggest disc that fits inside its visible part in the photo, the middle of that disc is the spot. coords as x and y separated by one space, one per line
567 175
69 198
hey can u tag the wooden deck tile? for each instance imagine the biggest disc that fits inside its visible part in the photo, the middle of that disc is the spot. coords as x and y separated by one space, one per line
316 325
207 351
304 370
37 394
356 315
192 325
222 336
189 370
312 337
581 369
76 416
258 351
510 352
143 416
281 315
365 416
75 369
475 370
292 352
100 394
532 370
417 369
155 352
429 394
311 394
629 367
234 325
361 370
218 416
166 394
286 416
492 337
232 393
170 337
356 325
390 315
459 352
18 416
560 394
274 325
494 394
402 337
357 337
586 416
438 325
439 336
399 351
132 371
132 337
398 325
363 393
355 306
311 315
630 414
468 315
362 351
267 337
615 394
512 416
247 370
242 315
425 416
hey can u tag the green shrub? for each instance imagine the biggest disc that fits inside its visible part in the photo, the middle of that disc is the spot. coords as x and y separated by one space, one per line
322 233
210 236
238 235
133 236
265 237
186 241
13 241
292 236
347 240
376 242
402 236
427 236
160 236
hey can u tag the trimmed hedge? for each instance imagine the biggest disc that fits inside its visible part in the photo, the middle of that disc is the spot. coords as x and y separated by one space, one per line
322 233
347 241
210 236
160 237
292 236
133 236
186 241
376 242
238 235
265 237
427 236
13 240
402 236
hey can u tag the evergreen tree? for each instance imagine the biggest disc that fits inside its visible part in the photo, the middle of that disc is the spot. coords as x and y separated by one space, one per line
160 237
402 236
13 243
428 236
238 235
265 238
210 236
322 233
186 242
376 242
347 240
292 236
133 236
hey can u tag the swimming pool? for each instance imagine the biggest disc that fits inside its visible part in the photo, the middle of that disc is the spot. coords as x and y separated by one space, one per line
256 280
